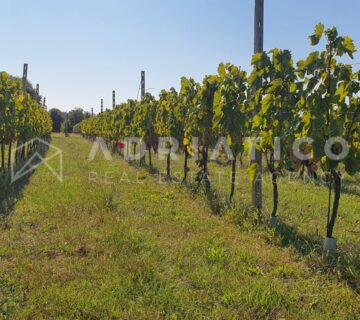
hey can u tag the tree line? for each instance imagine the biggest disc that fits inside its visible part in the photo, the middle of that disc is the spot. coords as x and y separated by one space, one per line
67 121
278 101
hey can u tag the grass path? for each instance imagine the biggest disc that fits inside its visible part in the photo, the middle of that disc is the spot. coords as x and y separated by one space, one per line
113 242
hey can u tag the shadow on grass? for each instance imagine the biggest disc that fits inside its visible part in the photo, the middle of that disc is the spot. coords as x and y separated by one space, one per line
217 205
289 236
140 165
11 192
215 202
149 169
345 263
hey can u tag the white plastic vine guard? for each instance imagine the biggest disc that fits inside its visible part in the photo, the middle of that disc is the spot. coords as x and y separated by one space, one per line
274 222
329 245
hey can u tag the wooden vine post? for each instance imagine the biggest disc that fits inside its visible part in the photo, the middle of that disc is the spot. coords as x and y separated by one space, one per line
142 84
24 79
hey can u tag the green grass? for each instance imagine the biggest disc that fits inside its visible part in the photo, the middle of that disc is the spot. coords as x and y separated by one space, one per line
303 212
303 203
128 245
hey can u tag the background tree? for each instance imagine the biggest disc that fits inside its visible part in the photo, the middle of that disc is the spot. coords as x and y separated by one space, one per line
57 118
76 116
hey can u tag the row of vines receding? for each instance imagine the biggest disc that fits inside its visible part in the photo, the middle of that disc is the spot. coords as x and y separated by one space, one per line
22 120
316 97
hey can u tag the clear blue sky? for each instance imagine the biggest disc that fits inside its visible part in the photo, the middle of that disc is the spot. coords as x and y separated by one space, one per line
80 50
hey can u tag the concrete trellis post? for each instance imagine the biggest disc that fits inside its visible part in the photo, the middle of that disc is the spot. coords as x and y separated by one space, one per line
102 106
24 79
113 99
142 84
259 26
258 47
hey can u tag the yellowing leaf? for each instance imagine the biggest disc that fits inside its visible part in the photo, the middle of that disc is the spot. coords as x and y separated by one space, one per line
221 70
252 171
293 88
229 140
349 46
